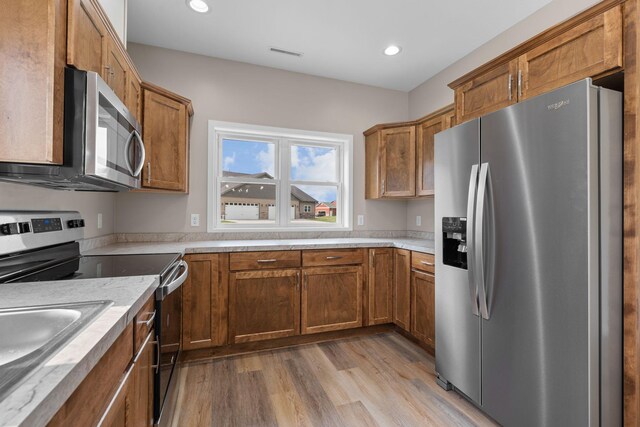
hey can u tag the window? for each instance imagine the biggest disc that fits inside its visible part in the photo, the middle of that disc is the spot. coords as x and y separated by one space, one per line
264 178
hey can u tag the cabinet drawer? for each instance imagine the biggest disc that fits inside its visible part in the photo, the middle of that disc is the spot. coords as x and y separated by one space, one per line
332 257
143 323
423 262
263 260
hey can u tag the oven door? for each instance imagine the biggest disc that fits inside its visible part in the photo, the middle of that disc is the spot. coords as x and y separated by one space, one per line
114 149
168 329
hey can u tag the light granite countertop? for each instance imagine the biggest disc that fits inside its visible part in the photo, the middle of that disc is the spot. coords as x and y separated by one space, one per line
45 389
205 246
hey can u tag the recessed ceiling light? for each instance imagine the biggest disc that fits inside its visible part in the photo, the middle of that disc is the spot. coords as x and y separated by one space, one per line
392 50
199 6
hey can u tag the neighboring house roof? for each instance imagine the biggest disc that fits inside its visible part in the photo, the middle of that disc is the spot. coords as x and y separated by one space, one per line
259 191
332 205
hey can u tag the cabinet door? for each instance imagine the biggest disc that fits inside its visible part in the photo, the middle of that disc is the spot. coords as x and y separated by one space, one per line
117 69
165 136
133 98
143 380
423 293
402 289
380 286
203 302
86 38
264 305
587 50
331 299
426 133
398 162
119 413
489 92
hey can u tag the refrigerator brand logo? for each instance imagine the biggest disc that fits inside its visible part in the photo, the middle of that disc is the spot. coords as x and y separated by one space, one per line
558 105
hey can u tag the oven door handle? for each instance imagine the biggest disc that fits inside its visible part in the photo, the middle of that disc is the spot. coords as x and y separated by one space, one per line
175 282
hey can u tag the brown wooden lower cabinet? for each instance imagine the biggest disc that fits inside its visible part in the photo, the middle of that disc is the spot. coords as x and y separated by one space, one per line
423 293
90 400
380 286
402 289
264 304
203 303
143 380
120 409
331 298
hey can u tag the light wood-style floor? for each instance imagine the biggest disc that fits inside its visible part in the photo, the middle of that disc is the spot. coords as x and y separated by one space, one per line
376 380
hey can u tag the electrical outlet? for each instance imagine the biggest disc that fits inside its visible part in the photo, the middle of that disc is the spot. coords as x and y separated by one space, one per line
195 220
418 220
99 221
360 219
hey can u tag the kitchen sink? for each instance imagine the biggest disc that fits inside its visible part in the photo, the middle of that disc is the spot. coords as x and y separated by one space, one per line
30 335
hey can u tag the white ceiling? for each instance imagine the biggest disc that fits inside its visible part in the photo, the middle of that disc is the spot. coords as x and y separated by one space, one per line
341 39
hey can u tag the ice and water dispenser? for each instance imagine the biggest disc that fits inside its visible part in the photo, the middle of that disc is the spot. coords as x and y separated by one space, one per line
454 237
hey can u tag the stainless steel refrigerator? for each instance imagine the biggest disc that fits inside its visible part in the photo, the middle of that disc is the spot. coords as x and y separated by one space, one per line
528 213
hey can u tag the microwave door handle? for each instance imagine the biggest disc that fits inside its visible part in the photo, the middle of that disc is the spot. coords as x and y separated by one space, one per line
127 158
143 154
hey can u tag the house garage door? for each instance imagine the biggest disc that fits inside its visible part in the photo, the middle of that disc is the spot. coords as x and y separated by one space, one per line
241 211
272 212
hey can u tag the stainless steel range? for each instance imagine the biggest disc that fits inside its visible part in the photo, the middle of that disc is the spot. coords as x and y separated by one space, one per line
43 246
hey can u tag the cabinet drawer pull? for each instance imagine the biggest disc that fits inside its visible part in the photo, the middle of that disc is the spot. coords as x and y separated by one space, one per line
333 257
509 87
148 172
149 321
519 85
427 263
266 261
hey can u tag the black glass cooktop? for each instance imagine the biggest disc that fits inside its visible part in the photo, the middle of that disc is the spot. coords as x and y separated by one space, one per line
91 267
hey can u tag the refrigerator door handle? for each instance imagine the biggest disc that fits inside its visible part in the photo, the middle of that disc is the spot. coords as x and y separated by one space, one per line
484 192
471 202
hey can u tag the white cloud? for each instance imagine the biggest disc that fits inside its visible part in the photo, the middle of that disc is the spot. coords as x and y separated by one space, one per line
308 165
266 159
229 161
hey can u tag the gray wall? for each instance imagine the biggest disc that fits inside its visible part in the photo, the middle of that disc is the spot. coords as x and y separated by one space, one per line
15 196
434 93
238 92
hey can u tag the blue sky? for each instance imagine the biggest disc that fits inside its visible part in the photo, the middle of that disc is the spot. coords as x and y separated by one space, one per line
307 164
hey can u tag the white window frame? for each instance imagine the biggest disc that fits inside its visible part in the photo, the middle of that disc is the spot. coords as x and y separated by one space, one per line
283 138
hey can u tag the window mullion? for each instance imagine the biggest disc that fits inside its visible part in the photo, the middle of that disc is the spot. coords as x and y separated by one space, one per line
285 192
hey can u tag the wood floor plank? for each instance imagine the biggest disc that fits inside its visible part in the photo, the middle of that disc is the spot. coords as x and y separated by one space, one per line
321 410
338 357
376 380
355 414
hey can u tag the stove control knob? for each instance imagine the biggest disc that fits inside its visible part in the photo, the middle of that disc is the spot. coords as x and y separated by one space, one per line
8 229
75 223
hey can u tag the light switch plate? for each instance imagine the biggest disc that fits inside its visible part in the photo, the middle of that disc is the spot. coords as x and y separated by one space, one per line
360 219
99 221
195 220
418 220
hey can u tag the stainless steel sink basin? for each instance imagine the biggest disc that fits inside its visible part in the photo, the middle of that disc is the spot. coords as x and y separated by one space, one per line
30 335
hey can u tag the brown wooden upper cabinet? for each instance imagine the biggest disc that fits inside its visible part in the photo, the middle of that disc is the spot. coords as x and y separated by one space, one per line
203 303
588 45
399 156
390 153
87 38
32 85
116 70
166 118
426 130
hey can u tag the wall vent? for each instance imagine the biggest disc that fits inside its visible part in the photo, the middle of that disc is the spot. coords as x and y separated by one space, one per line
285 52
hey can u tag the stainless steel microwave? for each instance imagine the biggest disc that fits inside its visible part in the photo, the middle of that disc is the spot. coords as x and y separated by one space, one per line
103 148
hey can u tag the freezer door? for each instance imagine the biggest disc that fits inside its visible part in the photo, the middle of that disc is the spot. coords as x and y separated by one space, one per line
457 150
540 342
